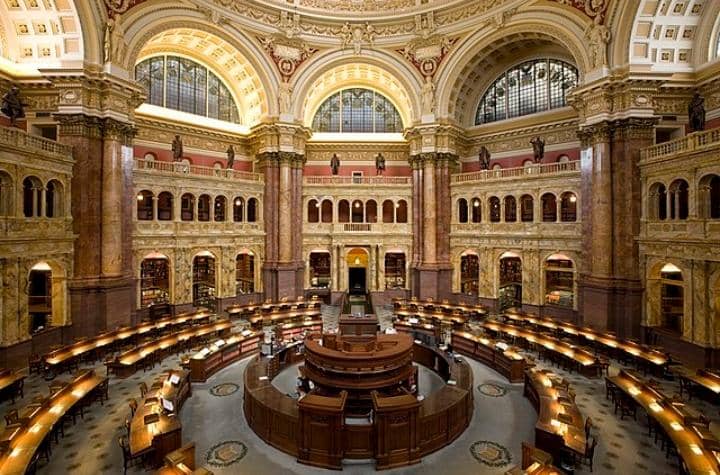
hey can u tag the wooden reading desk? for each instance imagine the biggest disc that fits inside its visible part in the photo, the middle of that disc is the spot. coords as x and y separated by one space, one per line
691 381
496 354
11 384
221 353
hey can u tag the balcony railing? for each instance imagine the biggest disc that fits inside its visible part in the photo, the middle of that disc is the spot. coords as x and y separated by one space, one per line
545 169
179 168
696 141
20 139
357 180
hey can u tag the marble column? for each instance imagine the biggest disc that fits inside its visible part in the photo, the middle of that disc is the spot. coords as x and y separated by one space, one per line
285 202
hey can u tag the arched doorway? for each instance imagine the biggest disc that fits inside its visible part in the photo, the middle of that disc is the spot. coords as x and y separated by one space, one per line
245 273
672 298
395 275
204 280
510 282
320 272
40 296
469 273
154 280
357 262
560 281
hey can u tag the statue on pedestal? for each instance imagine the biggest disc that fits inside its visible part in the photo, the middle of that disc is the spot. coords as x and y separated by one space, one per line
379 164
335 164
177 149
12 106
538 149
230 157
484 158
696 113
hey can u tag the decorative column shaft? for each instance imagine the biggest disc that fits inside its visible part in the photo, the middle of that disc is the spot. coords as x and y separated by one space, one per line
429 218
285 202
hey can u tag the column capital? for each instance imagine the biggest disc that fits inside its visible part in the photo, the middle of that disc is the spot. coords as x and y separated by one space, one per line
279 137
79 125
602 132
634 128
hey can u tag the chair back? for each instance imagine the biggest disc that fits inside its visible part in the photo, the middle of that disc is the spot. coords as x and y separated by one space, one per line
591 449
12 417
588 426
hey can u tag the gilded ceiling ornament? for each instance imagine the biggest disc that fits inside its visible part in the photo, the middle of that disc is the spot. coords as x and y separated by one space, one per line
357 35
595 9
426 53
118 7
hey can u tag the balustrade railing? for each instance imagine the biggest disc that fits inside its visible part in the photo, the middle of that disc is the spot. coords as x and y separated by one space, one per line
696 141
357 180
544 169
18 138
181 168
357 227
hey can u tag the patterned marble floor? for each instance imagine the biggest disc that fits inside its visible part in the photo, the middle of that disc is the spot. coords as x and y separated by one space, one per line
214 419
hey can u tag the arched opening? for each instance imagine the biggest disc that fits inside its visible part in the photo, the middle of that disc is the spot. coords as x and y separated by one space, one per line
658 201
344 211
672 298
510 209
678 198
313 211
568 207
560 281
388 210
327 211
395 276
40 296
469 274
252 210
204 208
510 283
357 110
7 194
370 211
187 207
203 289
165 206
494 209
401 213
54 199
549 208
32 197
244 273
357 211
357 262
320 270
145 205
476 213
462 206
710 196
154 280
526 209
238 209
220 208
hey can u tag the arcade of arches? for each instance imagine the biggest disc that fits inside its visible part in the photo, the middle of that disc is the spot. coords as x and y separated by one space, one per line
557 158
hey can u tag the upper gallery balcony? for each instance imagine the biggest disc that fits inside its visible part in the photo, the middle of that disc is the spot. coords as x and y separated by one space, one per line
538 171
21 140
692 143
337 180
185 170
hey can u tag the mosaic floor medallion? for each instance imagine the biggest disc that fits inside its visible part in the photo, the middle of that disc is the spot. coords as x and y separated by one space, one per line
492 390
224 389
226 453
490 453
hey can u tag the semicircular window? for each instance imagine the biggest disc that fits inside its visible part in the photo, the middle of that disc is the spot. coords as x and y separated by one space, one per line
357 110
184 85
527 88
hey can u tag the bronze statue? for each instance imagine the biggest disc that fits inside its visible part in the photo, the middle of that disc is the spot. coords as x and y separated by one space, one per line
230 157
12 106
696 113
484 158
379 164
538 149
177 149
335 164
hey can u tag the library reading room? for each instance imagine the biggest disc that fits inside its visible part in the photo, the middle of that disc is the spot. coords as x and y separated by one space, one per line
408 237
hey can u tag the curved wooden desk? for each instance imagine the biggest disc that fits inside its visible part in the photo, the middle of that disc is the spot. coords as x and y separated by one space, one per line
221 353
498 355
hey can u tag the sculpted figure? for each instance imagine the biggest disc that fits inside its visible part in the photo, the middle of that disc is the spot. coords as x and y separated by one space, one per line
484 158
230 157
379 164
538 149
696 113
177 149
285 97
428 96
598 37
12 106
335 164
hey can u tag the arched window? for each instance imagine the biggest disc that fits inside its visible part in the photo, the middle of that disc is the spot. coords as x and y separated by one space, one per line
187 207
252 210
7 193
568 207
32 197
710 196
357 110
313 211
549 208
344 211
401 214
220 207
54 199
204 208
526 209
462 210
145 201
658 201
184 85
357 212
388 212
326 211
238 209
370 211
510 209
476 213
165 206
678 199
529 87
494 209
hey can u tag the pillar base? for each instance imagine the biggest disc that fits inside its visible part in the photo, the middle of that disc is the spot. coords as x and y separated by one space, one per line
611 304
283 280
97 305
432 281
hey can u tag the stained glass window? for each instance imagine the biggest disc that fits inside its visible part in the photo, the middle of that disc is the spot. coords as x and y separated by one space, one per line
357 110
530 87
184 85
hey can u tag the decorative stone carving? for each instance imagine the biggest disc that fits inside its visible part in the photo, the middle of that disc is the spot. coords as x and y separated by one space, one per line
598 37
113 40
357 35
286 52
428 96
427 52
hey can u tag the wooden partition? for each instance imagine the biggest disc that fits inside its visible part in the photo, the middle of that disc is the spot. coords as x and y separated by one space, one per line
396 425
321 423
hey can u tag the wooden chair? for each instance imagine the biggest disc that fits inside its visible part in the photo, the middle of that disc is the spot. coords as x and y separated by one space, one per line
128 459
626 405
35 364
12 417
588 426
589 454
